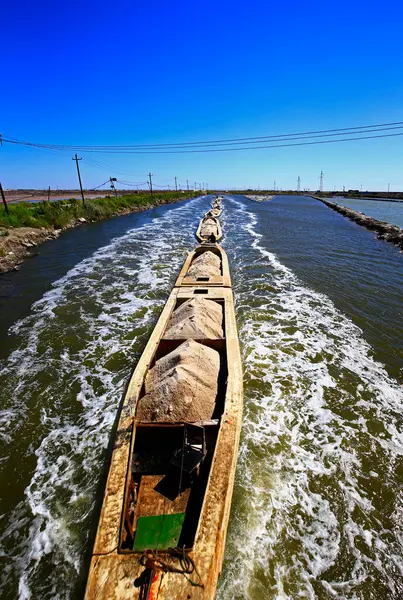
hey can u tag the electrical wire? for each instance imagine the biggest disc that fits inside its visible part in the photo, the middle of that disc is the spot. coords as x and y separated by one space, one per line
106 168
371 137
260 147
132 183
98 186
92 162
228 141
278 138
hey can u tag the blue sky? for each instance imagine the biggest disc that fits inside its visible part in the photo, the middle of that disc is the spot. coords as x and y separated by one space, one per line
153 72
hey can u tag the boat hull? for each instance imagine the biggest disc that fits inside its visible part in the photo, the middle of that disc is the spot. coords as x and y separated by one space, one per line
112 571
202 238
223 280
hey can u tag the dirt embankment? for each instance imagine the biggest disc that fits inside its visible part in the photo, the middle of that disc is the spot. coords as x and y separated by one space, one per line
18 243
385 231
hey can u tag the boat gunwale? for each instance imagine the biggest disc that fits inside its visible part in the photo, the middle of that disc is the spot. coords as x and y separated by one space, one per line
223 280
209 540
201 238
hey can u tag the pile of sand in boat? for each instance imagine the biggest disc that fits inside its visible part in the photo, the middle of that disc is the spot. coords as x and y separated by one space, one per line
209 227
206 264
182 386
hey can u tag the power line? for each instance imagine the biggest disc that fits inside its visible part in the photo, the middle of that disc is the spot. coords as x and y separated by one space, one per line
371 137
190 145
192 151
133 183
323 132
98 186
91 161
107 168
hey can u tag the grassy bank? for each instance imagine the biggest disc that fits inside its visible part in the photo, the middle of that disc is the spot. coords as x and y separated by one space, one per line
65 212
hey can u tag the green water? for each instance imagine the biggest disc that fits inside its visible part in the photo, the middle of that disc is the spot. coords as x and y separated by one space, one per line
317 502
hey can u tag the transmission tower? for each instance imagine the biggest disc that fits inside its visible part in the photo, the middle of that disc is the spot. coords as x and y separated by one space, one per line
321 181
150 183
299 184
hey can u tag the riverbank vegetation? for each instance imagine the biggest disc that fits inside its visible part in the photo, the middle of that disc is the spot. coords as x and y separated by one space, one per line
65 213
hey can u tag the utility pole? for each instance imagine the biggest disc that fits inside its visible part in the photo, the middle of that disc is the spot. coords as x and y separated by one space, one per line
3 198
361 188
321 181
112 179
299 184
176 183
79 177
187 184
151 185
49 194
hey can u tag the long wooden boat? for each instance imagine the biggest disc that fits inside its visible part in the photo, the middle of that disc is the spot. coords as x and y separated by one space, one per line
202 238
161 536
213 212
224 279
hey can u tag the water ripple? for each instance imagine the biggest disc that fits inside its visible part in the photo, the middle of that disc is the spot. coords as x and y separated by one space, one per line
317 499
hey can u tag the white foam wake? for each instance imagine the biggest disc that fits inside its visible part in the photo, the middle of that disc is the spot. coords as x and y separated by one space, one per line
62 387
320 447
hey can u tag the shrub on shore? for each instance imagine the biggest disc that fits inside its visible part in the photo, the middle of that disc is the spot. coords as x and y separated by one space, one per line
62 213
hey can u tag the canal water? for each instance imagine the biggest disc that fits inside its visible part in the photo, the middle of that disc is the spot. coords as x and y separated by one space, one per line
383 210
318 506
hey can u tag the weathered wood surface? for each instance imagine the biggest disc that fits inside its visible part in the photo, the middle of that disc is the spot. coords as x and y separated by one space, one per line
112 573
204 239
150 502
107 538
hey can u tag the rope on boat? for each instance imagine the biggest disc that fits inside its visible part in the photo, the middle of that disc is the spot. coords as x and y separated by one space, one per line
151 561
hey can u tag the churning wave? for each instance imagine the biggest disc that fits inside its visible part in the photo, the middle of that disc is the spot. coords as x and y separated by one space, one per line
62 387
317 507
